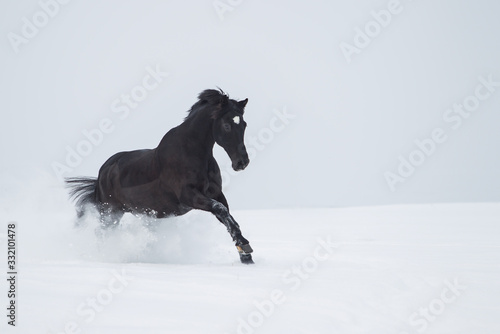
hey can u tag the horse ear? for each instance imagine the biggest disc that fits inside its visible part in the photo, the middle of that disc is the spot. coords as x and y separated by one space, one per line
243 103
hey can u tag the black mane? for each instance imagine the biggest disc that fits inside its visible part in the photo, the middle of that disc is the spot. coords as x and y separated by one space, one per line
209 97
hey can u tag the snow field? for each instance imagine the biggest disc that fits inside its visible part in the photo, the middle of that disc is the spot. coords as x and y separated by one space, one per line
394 269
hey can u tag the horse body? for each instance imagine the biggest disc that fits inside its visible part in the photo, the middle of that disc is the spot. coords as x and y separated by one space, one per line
179 175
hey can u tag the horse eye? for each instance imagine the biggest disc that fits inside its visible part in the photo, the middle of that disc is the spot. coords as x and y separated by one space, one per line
226 127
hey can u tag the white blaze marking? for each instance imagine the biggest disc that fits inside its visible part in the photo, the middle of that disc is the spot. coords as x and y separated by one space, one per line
236 119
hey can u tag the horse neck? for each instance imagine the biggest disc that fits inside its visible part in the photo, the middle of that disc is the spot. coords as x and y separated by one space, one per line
198 129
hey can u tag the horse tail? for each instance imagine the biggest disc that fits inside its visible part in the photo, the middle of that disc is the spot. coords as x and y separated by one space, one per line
82 190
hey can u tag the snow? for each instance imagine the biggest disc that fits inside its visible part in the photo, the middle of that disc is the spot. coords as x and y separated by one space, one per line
342 270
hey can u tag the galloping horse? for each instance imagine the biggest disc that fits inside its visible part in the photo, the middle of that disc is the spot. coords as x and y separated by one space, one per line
179 175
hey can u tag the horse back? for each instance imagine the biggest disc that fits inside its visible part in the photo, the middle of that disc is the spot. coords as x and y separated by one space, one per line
129 169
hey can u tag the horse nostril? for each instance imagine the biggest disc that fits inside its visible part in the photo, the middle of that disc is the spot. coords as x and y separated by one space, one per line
243 163
240 164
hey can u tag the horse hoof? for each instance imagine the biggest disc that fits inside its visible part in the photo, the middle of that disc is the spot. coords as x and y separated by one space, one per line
246 259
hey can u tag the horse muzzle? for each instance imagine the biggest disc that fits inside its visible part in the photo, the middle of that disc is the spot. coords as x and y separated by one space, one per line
240 164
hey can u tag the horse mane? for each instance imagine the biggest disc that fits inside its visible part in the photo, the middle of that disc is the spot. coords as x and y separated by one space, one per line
216 99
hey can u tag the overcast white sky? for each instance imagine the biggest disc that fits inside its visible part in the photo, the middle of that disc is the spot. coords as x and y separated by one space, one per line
350 119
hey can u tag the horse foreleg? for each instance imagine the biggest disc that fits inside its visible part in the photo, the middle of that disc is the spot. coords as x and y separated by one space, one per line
220 210
242 244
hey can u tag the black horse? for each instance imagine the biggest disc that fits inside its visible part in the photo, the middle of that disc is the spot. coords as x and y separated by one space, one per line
179 175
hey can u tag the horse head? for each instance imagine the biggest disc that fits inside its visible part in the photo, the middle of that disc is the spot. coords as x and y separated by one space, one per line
229 130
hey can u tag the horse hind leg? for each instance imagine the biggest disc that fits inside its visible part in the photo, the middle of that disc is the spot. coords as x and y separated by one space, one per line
109 219
81 216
